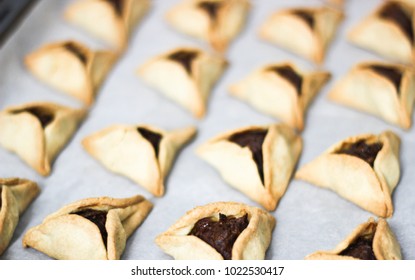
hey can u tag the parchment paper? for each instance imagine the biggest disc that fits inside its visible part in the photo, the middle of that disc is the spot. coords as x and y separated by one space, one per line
308 218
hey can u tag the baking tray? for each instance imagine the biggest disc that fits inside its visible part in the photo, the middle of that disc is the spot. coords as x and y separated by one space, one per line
308 218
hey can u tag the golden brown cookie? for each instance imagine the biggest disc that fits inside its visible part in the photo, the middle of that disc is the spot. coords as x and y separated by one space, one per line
217 22
256 160
388 31
89 229
363 169
218 231
112 21
185 76
381 89
281 90
373 240
15 196
142 153
72 68
37 132
307 32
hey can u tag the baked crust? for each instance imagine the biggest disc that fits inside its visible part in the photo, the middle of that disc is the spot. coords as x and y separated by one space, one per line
383 36
101 19
66 235
15 196
384 244
271 90
188 84
355 179
38 131
123 150
281 149
251 244
72 68
217 22
307 32
368 90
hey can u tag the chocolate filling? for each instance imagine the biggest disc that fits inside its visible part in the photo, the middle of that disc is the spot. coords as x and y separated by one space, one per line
395 13
253 139
185 58
211 8
117 4
1 189
361 248
152 137
391 73
221 234
99 218
45 116
288 73
362 150
307 16
77 51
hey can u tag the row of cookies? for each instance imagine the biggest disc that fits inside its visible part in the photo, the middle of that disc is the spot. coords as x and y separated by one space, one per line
98 229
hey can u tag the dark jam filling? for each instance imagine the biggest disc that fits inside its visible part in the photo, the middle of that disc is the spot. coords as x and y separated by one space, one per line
211 8
253 139
152 137
362 150
221 234
395 13
391 73
185 58
117 4
1 189
99 218
288 73
361 248
45 116
307 16
77 51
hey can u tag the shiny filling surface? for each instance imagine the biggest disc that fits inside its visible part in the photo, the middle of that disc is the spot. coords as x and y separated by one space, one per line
393 74
363 150
77 51
153 137
211 8
117 4
361 248
288 73
44 115
253 139
99 218
221 234
184 58
306 16
394 12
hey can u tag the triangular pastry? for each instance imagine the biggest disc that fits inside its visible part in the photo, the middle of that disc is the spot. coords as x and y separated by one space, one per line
72 68
307 32
218 231
363 169
89 229
381 89
256 160
141 153
217 22
15 196
112 21
184 75
37 132
373 240
388 31
282 91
